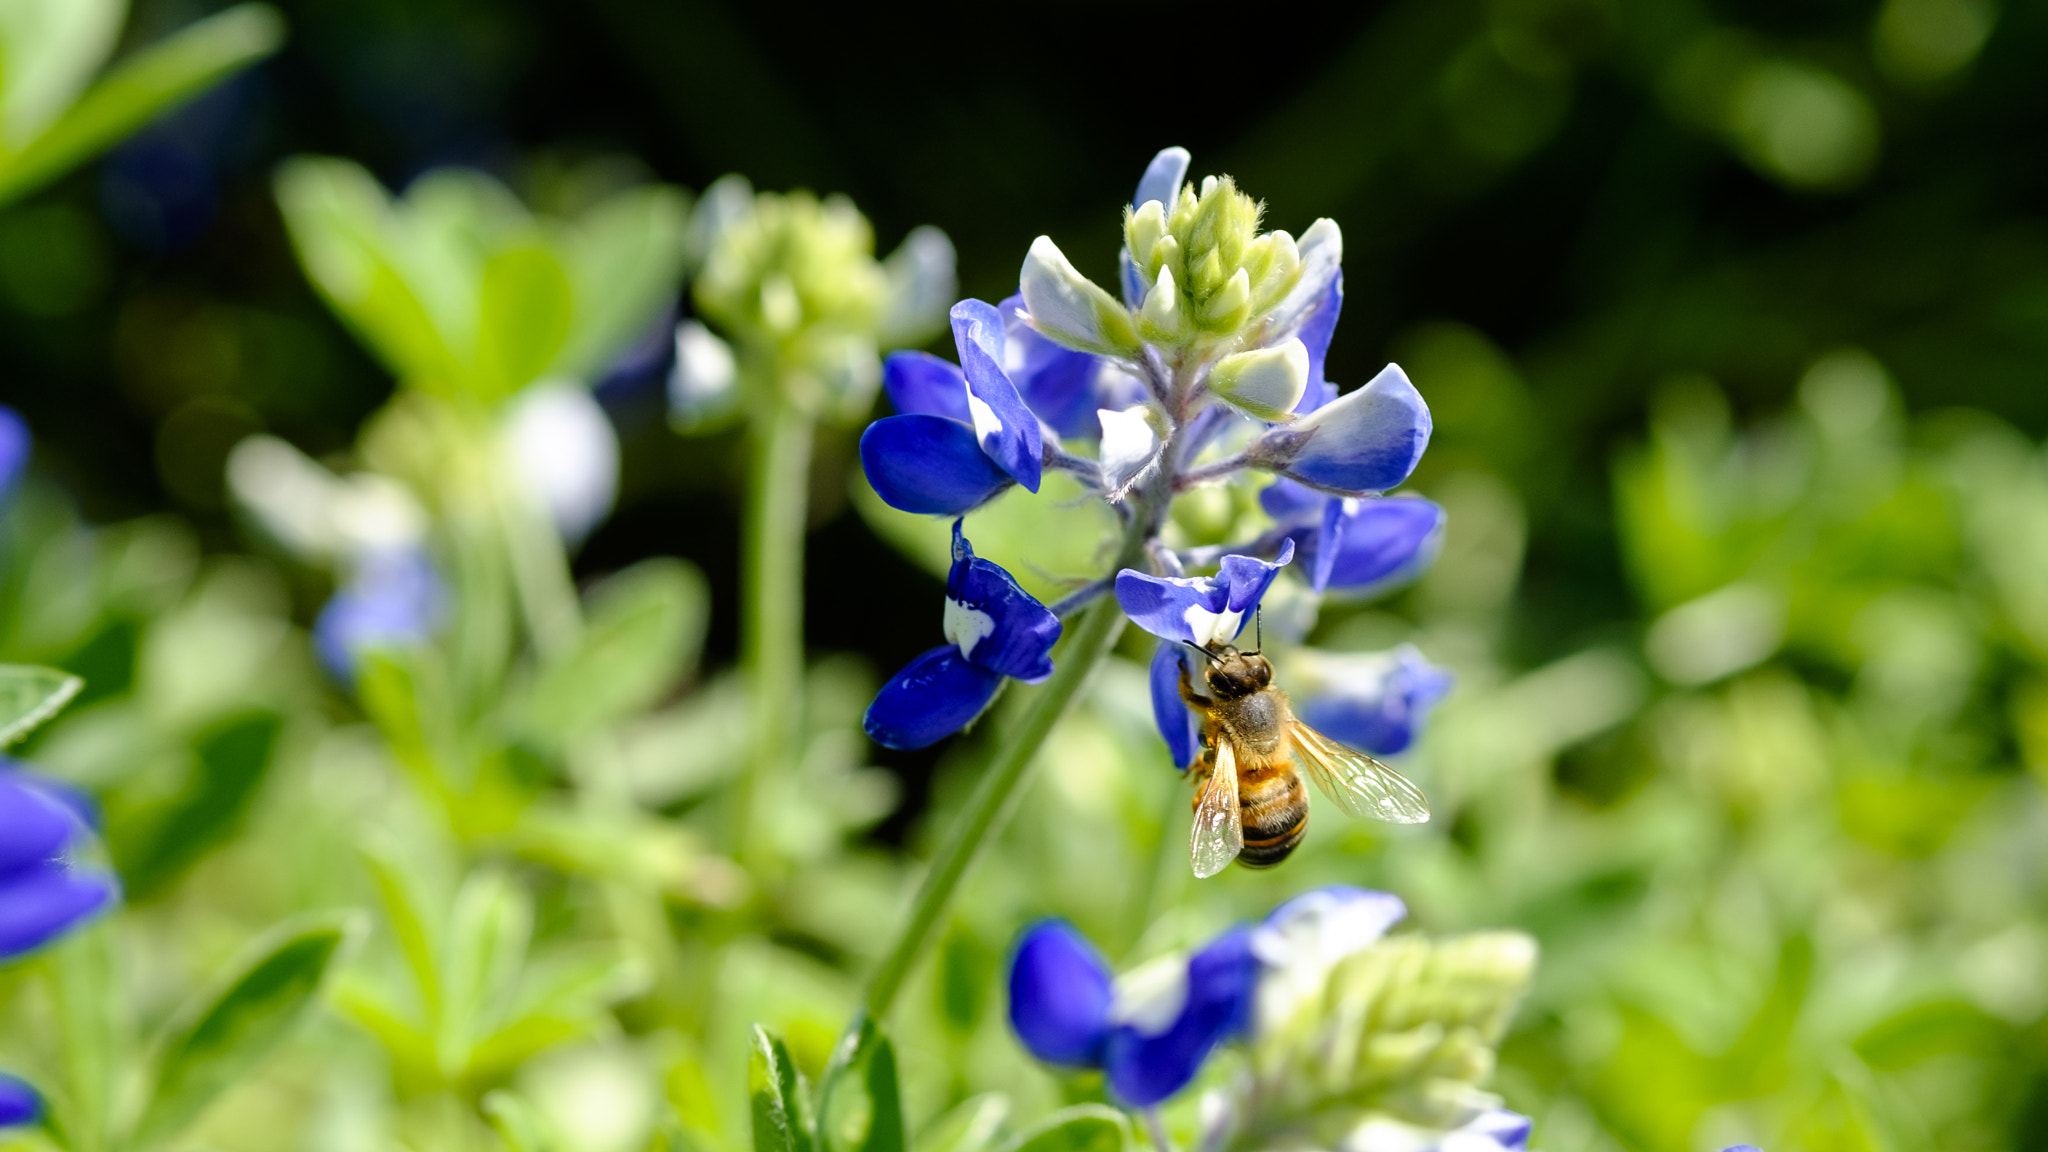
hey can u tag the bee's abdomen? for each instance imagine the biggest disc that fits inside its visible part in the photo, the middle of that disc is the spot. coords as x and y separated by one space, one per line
1275 812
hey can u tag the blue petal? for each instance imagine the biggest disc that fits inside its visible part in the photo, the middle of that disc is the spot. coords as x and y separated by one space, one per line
1364 442
934 696
1222 980
1132 280
1293 505
393 600
1510 1130
929 464
921 384
14 448
1248 577
1170 607
1057 383
1177 723
1059 995
1006 428
19 1102
1315 333
34 826
1015 634
1163 178
1730 1148
1382 710
39 903
1382 541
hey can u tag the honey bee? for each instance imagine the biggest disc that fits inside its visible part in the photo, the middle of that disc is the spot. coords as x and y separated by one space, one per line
1249 802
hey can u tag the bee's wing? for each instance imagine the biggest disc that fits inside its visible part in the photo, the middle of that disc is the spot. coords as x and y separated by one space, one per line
1218 833
1355 782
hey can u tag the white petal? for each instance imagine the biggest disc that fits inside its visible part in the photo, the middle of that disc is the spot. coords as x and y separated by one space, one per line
1210 627
1129 444
561 446
1149 997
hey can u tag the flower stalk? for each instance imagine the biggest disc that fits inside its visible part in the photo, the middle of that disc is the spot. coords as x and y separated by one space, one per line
772 598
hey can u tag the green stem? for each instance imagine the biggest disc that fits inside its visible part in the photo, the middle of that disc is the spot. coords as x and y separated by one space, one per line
772 589
993 799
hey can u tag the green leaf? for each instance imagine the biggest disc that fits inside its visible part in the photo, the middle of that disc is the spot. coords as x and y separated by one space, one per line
342 226
409 925
487 938
229 762
969 1126
1082 1128
527 309
256 1008
626 259
778 1091
51 51
517 1122
646 625
94 1043
860 1106
148 83
30 695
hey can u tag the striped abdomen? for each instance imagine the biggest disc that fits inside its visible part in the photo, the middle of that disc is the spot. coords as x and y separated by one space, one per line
1275 810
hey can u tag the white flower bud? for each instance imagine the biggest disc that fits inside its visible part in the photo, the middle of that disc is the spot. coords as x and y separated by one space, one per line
1161 317
1070 308
1265 382
1227 307
1129 446
702 386
1321 251
1147 225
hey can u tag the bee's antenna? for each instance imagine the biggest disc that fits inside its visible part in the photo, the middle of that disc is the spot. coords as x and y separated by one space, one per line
1258 630
1205 653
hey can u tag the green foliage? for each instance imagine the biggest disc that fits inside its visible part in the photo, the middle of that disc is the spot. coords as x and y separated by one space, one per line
1081 1128
646 625
258 1006
29 696
51 120
462 292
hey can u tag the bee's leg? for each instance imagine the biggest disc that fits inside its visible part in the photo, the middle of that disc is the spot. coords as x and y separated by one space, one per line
1187 692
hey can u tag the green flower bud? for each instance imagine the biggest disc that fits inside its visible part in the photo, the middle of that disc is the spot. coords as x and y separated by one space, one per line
1406 1029
1070 308
793 282
1266 382
1226 274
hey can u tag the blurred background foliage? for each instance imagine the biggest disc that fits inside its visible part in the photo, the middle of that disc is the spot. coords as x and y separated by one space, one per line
1734 321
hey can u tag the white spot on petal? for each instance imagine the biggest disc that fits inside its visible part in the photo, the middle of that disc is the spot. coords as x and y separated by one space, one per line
987 425
1210 627
1150 997
966 627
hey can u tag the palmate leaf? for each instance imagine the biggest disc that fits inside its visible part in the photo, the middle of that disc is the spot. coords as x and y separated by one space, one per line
140 88
30 695
260 1004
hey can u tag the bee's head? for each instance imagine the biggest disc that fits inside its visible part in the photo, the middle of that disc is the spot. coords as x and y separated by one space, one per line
1234 674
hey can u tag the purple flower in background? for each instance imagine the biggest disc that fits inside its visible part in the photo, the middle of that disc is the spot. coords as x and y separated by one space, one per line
1150 1032
1374 701
393 598
19 1102
43 893
14 449
994 630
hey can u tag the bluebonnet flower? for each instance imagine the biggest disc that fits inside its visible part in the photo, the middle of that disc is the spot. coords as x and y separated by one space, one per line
390 599
1210 362
966 433
19 1103
994 630
1150 1032
1376 701
43 893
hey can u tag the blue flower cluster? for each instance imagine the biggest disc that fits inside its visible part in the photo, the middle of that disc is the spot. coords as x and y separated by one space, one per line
1209 370
1151 1031
389 598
